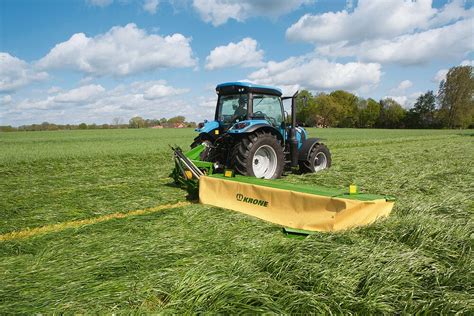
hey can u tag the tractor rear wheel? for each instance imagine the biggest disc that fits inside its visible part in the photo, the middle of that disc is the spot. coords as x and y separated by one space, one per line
319 159
259 155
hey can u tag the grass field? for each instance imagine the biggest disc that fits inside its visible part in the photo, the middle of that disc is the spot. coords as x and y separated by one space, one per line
195 258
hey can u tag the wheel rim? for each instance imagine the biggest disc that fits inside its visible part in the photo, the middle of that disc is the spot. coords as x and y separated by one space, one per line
264 162
320 162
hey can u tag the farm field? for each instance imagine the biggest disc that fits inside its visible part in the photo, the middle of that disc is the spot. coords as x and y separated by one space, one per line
195 258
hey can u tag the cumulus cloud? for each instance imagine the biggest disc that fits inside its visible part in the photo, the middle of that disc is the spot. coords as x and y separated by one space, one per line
440 75
243 53
406 101
401 95
451 41
158 91
6 99
318 74
91 94
150 6
16 73
402 87
82 94
94 103
219 12
121 51
406 32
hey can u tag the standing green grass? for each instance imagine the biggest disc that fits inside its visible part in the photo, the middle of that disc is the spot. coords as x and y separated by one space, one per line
203 259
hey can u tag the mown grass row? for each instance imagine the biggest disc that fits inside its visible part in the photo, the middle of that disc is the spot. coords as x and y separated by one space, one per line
205 259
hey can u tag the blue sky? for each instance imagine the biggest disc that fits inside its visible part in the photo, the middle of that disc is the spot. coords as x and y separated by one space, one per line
95 60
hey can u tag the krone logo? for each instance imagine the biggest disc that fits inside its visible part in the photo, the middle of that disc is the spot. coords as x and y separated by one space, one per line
241 198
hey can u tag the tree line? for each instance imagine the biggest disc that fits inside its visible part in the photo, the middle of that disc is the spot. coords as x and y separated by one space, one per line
451 107
117 123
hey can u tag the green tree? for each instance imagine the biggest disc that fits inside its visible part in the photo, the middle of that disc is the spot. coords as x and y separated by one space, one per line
348 104
369 113
177 119
392 114
328 111
305 108
422 115
456 97
136 122
83 126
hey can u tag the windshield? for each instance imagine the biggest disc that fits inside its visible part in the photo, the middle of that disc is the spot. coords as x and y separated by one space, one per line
269 108
232 108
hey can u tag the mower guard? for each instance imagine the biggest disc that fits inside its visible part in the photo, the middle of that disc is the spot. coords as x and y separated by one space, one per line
305 208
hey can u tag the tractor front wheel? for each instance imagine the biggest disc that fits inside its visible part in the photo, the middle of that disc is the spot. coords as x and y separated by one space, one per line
319 159
259 155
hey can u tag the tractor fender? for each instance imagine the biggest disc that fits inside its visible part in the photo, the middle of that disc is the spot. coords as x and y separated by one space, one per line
266 128
208 127
305 150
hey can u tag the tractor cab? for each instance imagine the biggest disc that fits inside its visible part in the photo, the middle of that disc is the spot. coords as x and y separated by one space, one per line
241 105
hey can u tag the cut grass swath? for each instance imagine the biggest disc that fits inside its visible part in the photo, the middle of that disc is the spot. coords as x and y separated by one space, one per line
83 222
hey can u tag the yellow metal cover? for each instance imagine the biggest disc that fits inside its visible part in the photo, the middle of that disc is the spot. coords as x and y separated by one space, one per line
291 208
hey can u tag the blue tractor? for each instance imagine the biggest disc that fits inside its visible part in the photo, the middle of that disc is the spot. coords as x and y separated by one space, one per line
249 134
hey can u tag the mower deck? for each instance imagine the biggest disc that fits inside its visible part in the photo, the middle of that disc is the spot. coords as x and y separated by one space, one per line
301 207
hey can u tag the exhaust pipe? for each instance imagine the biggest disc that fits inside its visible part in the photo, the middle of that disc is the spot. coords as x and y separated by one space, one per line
293 140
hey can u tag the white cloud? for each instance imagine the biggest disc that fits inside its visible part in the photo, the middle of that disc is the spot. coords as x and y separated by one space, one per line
400 95
6 99
375 20
451 41
406 101
402 87
121 51
219 12
93 103
440 75
16 73
243 53
150 6
96 94
81 94
158 91
53 90
100 3
318 74
406 32
467 63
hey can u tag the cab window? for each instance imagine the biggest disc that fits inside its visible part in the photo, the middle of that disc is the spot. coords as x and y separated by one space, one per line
269 108
232 108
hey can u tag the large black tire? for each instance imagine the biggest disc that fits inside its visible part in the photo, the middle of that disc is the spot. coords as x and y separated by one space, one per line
246 162
319 159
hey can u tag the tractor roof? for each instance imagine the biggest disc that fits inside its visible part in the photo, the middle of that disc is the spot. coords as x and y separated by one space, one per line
236 87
